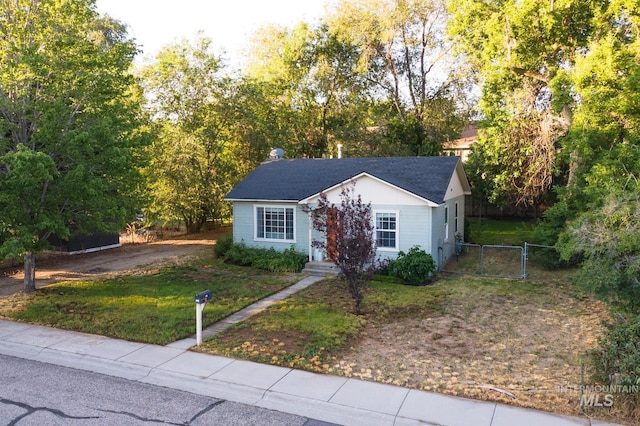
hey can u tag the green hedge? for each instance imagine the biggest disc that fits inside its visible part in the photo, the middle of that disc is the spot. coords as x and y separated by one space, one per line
269 259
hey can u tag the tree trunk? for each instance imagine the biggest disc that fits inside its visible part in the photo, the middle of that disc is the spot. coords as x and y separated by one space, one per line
193 226
29 272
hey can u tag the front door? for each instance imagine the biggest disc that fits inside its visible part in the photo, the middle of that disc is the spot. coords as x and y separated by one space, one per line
332 231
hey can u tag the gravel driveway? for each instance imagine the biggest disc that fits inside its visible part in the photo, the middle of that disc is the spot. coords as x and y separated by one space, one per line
54 267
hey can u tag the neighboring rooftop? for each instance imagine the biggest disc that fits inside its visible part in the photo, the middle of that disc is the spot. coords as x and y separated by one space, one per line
462 146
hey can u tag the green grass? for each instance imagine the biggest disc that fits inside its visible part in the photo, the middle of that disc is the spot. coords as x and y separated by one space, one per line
324 313
465 286
311 327
388 300
500 232
159 308
156 308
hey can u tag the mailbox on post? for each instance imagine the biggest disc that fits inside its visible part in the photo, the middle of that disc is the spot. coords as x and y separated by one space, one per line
203 297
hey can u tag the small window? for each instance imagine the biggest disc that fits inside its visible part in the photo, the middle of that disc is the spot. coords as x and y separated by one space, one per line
455 222
275 223
446 223
387 230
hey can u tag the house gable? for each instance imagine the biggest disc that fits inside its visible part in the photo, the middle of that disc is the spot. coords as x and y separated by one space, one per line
458 185
372 190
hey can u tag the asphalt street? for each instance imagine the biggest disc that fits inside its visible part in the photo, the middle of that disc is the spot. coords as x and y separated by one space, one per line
34 393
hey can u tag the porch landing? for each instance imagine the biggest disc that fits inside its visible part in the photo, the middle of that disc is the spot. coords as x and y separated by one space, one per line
321 269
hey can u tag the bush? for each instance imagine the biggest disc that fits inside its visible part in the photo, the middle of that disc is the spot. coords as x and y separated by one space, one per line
618 355
240 254
547 232
617 360
223 244
414 267
270 259
381 267
288 261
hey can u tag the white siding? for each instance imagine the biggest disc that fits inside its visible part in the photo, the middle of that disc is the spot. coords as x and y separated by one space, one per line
376 192
455 188
243 222
447 247
414 227
437 236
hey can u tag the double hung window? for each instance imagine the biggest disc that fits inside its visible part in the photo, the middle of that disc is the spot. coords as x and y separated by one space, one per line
275 223
387 230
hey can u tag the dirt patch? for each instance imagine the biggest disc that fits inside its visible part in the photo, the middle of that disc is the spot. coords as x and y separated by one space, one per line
519 346
520 351
56 267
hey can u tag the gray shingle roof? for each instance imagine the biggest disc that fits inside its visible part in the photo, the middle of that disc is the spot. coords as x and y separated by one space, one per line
297 179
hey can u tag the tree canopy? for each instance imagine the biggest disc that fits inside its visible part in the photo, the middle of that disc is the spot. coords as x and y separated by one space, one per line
316 94
377 77
557 78
191 162
69 124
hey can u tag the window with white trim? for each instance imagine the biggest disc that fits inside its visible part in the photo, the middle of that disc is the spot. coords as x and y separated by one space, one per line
275 223
455 223
387 230
446 223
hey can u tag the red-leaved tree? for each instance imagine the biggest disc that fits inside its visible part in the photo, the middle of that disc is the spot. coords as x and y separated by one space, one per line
350 239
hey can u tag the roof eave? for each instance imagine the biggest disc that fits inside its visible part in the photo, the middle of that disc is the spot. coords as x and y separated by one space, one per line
259 200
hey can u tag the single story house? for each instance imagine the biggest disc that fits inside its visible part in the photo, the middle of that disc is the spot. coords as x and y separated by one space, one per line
415 201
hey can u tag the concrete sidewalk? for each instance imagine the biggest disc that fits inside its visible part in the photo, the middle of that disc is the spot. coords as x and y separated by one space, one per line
332 399
329 398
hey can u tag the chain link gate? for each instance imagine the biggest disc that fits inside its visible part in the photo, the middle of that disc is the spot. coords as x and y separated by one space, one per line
491 260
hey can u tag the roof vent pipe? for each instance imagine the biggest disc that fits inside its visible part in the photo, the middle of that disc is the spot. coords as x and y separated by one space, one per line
339 150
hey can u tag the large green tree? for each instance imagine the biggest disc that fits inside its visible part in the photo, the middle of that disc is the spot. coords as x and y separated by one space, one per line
406 60
68 125
376 77
317 96
601 151
257 128
604 158
192 161
523 51
609 240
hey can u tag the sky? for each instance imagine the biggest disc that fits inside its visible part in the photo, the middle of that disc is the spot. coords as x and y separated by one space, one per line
229 23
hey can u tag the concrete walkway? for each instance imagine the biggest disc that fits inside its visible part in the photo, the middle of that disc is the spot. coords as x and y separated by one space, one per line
245 313
334 399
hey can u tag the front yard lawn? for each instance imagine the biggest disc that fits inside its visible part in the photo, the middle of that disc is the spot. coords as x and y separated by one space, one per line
511 341
152 307
309 328
516 342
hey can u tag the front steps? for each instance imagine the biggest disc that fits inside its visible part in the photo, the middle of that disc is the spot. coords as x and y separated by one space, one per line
321 269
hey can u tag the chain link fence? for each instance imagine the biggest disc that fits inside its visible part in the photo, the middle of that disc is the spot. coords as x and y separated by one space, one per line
498 260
